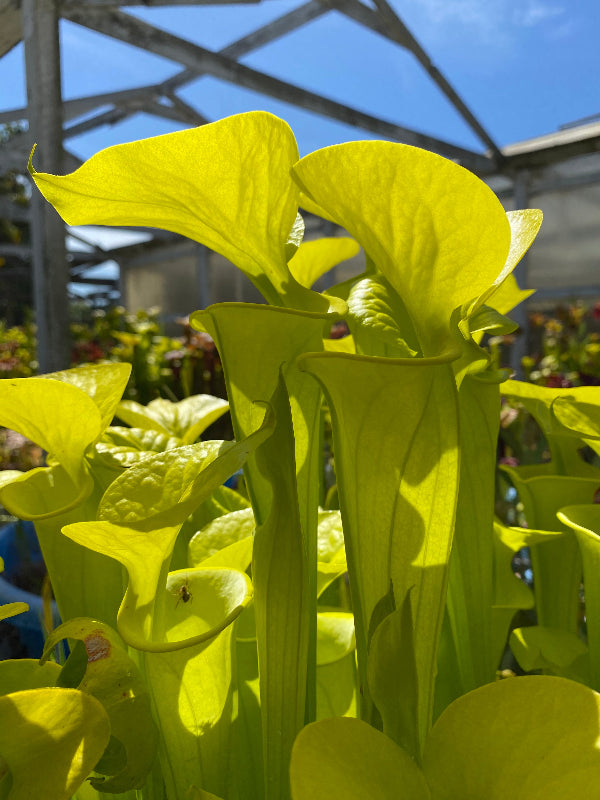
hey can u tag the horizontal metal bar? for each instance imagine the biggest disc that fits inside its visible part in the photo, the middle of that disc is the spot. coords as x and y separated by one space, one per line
130 29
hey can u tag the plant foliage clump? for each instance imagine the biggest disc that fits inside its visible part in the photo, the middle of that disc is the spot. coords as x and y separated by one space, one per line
269 648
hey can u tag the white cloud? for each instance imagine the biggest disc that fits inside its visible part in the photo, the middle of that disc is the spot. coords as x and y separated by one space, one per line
490 22
536 12
468 12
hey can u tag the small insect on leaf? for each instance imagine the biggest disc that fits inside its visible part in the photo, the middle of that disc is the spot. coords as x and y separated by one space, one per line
183 594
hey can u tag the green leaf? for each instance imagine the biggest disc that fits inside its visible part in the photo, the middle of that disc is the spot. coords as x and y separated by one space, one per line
220 533
510 592
524 227
525 738
222 501
295 237
153 491
199 794
508 295
379 320
152 616
335 635
64 412
336 669
45 492
284 492
226 185
564 442
8 610
489 320
314 258
61 419
393 678
121 448
579 410
26 673
192 692
308 204
330 536
140 517
237 555
9 475
344 345
114 680
104 383
138 416
283 600
165 489
437 233
336 688
50 740
551 649
331 553
347 758
528 738
249 755
584 520
470 588
556 561
186 419
397 466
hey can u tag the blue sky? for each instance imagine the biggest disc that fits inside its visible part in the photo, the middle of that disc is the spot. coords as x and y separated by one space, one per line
524 67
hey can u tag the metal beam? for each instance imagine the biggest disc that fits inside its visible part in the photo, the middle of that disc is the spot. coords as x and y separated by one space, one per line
50 271
125 100
84 105
20 271
565 292
187 113
268 33
110 117
178 111
15 154
275 29
103 4
11 30
110 282
94 248
133 31
552 154
387 23
22 251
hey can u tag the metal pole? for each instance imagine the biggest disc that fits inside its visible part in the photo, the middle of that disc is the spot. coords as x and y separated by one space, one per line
520 314
202 282
44 102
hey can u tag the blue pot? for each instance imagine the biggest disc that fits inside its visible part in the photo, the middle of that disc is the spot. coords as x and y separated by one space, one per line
15 540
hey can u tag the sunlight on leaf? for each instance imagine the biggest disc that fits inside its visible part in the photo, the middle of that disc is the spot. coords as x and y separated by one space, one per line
584 520
350 759
26 673
12 609
438 233
226 184
186 419
51 739
114 680
314 258
531 738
